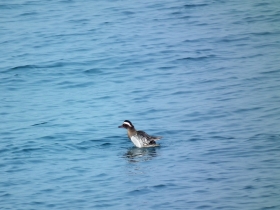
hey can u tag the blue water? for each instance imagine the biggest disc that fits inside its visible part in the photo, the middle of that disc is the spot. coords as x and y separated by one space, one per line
203 74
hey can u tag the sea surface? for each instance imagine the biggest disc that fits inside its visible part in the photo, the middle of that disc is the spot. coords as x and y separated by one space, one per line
204 74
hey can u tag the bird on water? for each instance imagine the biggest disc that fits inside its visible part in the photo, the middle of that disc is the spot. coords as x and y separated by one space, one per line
139 138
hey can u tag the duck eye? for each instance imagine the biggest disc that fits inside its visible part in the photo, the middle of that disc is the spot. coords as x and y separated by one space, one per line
126 124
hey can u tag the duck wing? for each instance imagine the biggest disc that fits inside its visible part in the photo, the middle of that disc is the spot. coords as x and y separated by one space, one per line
146 138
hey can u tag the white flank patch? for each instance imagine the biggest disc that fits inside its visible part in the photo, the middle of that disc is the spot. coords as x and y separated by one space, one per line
136 142
127 123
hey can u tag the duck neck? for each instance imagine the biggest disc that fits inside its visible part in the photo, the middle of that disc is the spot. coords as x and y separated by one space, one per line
131 132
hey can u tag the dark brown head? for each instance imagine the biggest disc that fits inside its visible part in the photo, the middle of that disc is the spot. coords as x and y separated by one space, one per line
126 124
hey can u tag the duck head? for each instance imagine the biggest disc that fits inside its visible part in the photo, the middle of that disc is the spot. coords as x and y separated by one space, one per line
126 124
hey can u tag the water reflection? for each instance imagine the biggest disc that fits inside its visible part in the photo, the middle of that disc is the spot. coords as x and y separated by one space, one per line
134 154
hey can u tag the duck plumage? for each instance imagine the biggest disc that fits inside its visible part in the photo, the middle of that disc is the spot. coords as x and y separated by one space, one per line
139 138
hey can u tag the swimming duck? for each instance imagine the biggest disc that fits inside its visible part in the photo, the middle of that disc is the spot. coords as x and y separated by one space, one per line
139 138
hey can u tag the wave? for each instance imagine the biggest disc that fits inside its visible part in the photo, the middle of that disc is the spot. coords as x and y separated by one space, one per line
191 6
199 58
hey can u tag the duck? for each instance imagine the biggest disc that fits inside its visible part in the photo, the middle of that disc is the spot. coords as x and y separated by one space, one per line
139 138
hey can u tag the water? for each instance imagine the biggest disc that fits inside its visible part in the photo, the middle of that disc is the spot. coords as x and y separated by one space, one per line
203 74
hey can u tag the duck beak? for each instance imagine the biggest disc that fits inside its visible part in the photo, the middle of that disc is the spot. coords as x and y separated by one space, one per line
121 126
